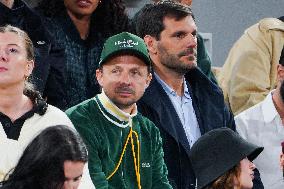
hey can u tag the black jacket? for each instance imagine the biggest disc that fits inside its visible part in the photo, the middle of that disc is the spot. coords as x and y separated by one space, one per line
48 74
211 113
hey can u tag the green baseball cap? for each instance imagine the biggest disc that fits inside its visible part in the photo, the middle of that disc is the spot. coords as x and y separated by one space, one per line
125 43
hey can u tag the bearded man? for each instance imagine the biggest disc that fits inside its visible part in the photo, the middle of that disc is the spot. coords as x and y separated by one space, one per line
181 101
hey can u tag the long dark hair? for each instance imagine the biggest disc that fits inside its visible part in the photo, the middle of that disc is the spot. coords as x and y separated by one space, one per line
42 163
109 17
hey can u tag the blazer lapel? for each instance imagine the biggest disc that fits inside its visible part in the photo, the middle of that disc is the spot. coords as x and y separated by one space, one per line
156 98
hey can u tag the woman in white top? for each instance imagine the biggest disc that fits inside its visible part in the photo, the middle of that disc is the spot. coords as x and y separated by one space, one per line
23 112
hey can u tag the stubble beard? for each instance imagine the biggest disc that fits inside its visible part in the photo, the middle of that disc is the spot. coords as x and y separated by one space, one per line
173 62
120 102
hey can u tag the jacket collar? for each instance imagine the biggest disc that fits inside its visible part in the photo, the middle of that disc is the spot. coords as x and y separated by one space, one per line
157 98
204 100
268 109
169 90
113 113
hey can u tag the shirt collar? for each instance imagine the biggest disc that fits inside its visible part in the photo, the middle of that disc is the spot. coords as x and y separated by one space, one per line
113 113
268 109
169 90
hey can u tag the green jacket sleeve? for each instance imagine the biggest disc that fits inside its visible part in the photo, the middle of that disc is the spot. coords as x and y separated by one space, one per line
83 124
160 172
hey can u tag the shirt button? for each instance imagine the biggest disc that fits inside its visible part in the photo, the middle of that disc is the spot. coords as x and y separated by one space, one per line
7 124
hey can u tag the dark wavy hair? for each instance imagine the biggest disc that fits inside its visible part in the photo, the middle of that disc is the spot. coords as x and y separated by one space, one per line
109 17
150 19
42 164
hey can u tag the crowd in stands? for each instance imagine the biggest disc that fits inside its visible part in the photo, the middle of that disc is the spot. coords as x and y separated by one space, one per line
90 98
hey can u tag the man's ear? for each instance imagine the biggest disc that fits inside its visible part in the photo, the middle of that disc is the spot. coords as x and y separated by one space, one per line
149 78
99 76
280 72
151 44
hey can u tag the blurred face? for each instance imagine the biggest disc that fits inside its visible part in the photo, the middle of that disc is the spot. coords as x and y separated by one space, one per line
282 160
7 3
81 8
73 171
247 174
124 79
186 2
14 65
177 47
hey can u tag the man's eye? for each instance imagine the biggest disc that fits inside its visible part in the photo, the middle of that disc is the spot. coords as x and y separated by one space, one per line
115 71
180 35
135 72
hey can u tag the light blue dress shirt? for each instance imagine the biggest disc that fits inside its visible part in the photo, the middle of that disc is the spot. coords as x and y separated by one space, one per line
184 108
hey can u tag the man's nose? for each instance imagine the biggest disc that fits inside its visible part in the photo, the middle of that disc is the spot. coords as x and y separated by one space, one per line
125 78
192 41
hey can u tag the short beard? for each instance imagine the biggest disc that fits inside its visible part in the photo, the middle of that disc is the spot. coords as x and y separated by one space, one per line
172 61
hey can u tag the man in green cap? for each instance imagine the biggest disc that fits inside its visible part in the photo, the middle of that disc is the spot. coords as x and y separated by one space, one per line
125 148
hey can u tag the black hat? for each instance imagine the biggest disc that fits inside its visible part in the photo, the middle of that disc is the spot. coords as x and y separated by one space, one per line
216 152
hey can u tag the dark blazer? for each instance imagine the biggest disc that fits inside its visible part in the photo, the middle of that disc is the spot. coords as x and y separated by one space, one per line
48 75
211 113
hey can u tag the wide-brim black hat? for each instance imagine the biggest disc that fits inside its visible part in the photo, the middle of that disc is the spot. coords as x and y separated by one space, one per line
216 152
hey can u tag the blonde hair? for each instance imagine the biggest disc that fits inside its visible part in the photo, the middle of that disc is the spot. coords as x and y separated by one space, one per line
28 42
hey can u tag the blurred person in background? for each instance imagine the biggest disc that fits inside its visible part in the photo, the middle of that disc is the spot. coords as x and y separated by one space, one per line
262 124
81 27
250 70
48 74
